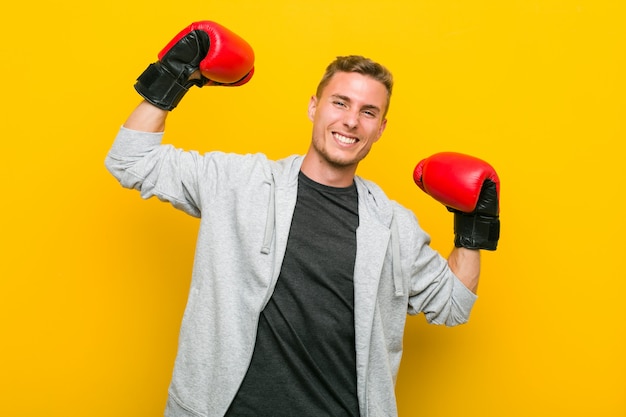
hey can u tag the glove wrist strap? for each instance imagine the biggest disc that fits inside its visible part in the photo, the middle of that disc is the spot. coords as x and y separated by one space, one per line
161 88
475 231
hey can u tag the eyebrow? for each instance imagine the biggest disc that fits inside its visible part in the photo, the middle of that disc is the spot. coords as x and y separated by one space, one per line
346 98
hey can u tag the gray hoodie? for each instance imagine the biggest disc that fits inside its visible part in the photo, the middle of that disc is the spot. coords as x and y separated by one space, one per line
245 205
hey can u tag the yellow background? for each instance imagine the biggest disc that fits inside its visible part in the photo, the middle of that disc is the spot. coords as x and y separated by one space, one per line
94 279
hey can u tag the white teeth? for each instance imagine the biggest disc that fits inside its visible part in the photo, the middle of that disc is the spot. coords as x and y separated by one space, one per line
344 139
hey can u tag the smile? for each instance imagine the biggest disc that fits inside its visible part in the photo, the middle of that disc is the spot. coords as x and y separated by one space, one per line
344 139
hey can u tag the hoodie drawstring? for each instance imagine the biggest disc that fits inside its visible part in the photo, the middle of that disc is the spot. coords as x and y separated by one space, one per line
270 222
396 265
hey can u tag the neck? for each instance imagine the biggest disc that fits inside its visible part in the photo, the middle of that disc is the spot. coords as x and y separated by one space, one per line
325 173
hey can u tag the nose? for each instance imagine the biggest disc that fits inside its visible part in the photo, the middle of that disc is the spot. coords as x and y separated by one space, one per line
351 119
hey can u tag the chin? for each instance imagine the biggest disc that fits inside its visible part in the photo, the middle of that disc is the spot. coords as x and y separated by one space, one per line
342 162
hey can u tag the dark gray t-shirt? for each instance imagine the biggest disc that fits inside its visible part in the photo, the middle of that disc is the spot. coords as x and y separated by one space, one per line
304 362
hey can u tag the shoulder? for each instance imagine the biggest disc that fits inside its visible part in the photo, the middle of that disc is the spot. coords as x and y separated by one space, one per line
374 199
253 164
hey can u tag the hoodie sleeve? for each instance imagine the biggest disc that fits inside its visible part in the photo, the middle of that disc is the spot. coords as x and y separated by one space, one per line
433 288
139 161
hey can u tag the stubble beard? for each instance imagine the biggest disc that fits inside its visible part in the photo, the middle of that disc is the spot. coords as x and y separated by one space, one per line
333 161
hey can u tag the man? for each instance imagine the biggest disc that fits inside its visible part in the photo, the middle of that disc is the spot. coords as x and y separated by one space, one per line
304 273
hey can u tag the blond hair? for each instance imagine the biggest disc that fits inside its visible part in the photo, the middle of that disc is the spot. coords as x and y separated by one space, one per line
361 65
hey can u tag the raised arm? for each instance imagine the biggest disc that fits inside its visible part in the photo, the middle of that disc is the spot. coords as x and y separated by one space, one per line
468 187
465 263
147 118
204 53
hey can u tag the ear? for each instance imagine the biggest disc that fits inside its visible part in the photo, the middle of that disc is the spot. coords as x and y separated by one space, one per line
312 107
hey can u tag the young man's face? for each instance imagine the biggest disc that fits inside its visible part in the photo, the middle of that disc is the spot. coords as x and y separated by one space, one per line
347 119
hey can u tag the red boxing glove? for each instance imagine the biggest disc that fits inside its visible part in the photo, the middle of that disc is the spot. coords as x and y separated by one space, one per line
468 187
229 59
222 57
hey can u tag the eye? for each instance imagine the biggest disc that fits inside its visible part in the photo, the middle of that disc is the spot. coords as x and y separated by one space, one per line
369 113
339 103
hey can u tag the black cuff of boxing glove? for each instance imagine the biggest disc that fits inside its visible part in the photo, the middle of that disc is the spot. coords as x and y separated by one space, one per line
161 88
475 231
